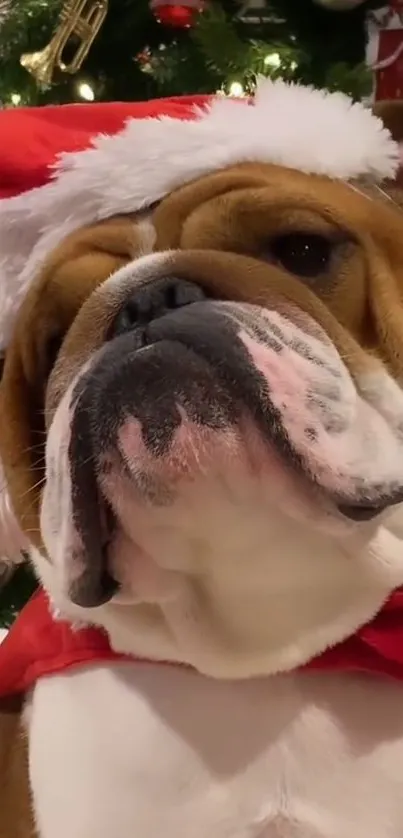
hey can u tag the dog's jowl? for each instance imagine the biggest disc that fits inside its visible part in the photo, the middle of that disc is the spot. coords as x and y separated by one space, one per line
201 442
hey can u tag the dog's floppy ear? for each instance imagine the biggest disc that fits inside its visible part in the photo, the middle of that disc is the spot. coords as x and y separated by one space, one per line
11 539
80 264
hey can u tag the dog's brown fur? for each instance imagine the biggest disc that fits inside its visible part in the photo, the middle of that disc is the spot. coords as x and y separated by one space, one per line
16 820
222 215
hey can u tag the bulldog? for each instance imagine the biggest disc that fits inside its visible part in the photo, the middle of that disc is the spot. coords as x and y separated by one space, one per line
202 444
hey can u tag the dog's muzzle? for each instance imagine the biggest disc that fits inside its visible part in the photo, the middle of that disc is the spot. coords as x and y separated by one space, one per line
188 389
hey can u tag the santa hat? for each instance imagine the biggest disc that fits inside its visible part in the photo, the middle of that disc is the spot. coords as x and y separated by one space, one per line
65 167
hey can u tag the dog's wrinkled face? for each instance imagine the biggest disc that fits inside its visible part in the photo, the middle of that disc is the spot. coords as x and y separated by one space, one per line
223 418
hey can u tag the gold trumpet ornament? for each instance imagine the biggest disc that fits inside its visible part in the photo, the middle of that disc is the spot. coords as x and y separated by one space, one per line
80 22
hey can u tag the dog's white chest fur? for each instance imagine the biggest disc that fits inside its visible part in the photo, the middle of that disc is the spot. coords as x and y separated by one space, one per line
143 751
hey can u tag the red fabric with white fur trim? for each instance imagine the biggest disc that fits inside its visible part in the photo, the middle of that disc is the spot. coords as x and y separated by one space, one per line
31 139
39 645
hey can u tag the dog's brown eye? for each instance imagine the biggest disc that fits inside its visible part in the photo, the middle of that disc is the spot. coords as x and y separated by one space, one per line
302 254
2 362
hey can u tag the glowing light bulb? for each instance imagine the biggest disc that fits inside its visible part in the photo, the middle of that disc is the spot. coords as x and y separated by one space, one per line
86 92
236 89
15 99
272 60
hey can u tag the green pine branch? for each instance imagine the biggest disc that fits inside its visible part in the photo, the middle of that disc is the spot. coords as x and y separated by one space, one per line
231 55
28 27
16 593
220 43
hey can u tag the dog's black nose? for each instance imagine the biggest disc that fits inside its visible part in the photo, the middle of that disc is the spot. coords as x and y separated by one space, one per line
153 301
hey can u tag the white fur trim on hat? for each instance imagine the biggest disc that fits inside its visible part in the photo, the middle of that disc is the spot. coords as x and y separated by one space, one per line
289 125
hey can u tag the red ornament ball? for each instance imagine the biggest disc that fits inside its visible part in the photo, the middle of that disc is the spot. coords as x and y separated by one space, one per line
179 16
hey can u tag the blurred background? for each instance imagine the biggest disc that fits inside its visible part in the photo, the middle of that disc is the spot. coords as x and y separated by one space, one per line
139 49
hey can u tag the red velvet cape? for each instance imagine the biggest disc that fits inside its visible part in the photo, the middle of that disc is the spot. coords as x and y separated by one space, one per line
40 645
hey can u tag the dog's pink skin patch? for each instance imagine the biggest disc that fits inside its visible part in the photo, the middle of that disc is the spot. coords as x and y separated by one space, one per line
195 450
347 442
225 469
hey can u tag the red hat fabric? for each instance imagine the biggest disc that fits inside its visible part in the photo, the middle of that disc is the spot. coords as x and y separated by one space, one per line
31 139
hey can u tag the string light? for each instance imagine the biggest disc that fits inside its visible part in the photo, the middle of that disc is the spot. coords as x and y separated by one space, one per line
86 92
273 59
236 89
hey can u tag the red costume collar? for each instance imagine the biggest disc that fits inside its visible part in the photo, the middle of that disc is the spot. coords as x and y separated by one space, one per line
39 645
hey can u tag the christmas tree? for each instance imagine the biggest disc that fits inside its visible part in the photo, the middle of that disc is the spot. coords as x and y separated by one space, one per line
145 50
133 51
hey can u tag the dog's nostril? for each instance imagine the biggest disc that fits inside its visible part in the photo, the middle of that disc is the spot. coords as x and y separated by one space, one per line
153 301
127 318
181 293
